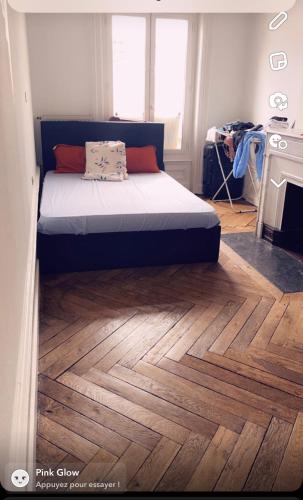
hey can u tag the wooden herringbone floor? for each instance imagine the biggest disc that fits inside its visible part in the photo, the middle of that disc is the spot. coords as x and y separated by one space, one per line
181 378
233 221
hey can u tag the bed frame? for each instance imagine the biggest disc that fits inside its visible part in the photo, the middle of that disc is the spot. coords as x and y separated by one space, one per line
69 253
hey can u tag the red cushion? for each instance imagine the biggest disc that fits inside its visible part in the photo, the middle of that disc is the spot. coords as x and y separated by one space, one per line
69 159
141 160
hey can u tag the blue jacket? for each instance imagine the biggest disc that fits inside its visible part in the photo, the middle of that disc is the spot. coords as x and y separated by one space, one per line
243 153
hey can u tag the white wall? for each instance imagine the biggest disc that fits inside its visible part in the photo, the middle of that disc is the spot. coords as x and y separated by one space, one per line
61 48
264 81
238 80
228 44
63 75
63 67
288 38
17 163
227 41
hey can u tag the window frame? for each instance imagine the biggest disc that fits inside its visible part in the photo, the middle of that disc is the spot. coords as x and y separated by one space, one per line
189 84
150 52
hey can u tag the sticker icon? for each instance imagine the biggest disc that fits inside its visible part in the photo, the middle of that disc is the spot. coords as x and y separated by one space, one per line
278 20
20 478
278 61
276 141
278 100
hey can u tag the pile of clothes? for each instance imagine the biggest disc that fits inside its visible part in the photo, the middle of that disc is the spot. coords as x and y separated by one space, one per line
238 137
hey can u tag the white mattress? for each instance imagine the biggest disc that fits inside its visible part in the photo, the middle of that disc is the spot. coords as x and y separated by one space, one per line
144 202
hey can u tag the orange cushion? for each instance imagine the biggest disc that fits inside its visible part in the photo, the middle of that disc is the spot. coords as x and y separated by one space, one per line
69 159
141 160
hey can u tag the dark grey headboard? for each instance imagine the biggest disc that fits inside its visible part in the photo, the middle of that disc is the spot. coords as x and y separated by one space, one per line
77 133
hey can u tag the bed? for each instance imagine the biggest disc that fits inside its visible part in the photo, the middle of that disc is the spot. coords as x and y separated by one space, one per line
149 219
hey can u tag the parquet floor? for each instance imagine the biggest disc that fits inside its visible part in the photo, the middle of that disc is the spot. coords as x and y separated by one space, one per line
181 378
233 222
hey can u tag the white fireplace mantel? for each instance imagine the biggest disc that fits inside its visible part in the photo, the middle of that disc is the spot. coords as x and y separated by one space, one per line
279 165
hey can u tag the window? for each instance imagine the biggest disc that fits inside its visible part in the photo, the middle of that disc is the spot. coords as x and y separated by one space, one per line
170 77
128 45
151 72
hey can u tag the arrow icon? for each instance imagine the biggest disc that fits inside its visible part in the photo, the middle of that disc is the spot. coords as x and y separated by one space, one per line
276 184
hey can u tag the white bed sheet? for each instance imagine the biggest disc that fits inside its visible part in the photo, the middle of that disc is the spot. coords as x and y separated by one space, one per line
144 202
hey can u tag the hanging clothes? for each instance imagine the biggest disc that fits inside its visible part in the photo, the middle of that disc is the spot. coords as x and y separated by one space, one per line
229 147
243 154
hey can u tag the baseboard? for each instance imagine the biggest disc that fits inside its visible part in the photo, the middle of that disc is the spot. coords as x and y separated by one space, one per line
32 421
198 189
180 171
253 200
23 428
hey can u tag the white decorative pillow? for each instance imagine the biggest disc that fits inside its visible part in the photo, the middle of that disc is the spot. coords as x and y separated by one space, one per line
105 161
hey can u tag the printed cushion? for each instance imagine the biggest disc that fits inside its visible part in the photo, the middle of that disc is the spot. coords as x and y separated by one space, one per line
105 161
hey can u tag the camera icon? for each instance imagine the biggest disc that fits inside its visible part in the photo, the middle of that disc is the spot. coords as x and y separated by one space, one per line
277 142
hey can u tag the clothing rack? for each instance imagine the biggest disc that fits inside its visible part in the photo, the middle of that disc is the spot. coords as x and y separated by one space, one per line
226 178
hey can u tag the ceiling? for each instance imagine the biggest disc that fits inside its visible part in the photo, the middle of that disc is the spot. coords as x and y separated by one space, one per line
211 6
